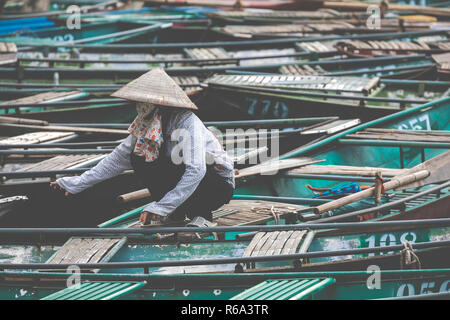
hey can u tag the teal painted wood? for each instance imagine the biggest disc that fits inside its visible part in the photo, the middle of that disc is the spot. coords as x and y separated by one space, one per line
285 289
96 290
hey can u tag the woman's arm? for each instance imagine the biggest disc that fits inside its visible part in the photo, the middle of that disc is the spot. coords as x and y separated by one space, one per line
193 146
112 165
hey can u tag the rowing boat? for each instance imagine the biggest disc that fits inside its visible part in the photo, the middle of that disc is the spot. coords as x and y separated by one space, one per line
106 32
383 48
413 284
275 96
247 142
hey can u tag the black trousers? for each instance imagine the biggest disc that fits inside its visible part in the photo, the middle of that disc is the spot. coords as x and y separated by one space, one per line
161 176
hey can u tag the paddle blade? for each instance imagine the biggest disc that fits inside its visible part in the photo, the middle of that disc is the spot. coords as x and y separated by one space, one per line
439 168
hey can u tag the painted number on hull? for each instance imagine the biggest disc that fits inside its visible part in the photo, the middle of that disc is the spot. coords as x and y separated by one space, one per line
66 37
389 239
270 108
420 123
409 289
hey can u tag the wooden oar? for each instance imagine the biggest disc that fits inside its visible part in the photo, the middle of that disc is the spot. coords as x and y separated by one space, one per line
392 184
432 171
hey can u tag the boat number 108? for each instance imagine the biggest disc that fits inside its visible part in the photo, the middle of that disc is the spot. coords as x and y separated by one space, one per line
390 239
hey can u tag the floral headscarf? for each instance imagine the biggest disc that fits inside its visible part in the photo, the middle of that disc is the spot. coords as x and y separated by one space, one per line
147 129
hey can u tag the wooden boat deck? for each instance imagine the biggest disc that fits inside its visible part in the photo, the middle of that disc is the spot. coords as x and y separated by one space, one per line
284 28
316 46
297 70
442 60
44 97
61 162
191 84
279 243
8 53
376 47
36 137
313 82
401 135
208 53
87 250
246 212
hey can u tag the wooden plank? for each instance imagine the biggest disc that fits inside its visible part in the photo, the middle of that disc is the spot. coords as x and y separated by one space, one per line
260 244
307 242
279 243
60 162
269 242
77 251
35 137
252 244
43 97
65 250
271 167
293 242
100 253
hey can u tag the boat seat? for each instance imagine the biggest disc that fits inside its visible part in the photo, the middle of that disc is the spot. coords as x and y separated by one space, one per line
401 135
285 289
87 250
36 137
279 243
96 290
62 162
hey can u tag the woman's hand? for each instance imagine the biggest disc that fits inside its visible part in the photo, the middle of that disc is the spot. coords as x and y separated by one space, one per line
55 186
146 217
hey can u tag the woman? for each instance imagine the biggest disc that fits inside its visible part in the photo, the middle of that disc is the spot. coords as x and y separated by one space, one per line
179 160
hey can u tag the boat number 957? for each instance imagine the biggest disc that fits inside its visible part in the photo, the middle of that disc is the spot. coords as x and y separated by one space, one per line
419 123
389 239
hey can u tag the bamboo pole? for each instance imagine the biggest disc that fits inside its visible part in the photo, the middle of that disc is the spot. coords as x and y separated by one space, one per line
392 184
14 120
132 196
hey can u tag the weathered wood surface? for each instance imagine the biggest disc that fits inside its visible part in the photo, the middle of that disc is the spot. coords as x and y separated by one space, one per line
317 46
64 128
247 212
273 166
192 81
312 82
439 168
304 70
6 58
35 137
331 126
443 60
279 243
347 170
84 250
285 28
401 135
7 47
42 97
61 162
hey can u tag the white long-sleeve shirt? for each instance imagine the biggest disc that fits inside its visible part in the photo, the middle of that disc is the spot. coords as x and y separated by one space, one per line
186 139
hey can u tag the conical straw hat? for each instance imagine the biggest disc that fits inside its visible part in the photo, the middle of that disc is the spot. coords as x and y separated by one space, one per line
156 87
